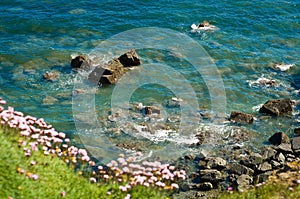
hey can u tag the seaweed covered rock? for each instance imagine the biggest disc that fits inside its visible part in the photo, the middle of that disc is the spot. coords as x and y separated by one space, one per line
277 107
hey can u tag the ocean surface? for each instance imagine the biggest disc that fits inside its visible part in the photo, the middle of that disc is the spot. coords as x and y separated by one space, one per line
251 37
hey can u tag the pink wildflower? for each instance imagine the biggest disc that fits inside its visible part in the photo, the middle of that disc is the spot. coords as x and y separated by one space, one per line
93 180
34 177
32 162
127 196
62 193
174 186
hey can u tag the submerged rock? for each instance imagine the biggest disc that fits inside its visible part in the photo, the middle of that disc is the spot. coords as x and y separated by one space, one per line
277 107
48 100
279 138
241 118
52 76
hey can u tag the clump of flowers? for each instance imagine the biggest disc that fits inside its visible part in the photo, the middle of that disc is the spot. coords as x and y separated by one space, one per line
148 174
37 135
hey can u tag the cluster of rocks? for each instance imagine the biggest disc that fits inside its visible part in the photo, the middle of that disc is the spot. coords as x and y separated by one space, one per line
108 73
278 107
241 168
247 169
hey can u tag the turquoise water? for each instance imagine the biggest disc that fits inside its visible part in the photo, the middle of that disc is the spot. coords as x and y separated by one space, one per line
40 36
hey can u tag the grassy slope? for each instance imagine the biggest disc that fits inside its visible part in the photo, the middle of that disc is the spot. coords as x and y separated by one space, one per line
54 177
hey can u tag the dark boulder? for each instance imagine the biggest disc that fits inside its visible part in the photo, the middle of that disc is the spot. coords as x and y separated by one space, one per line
151 110
279 138
277 107
111 72
297 131
107 74
130 59
241 118
205 186
81 62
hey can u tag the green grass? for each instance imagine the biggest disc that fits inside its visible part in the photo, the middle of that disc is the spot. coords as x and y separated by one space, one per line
54 176
278 190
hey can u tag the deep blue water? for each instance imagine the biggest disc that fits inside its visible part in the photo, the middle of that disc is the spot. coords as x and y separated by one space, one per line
40 36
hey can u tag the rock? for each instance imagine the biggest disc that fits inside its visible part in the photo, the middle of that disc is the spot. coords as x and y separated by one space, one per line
280 158
111 72
52 76
297 131
151 110
277 107
279 138
241 118
239 169
138 106
262 177
244 182
107 74
285 148
205 186
203 154
296 143
211 175
275 164
216 163
265 166
174 102
130 59
81 62
207 115
268 153
252 161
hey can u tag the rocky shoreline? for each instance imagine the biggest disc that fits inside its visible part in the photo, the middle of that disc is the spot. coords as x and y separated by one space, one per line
240 168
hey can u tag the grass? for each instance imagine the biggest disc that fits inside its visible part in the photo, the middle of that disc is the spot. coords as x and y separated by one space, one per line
278 190
55 178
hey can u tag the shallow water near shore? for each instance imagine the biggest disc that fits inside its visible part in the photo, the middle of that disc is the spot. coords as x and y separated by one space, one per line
40 36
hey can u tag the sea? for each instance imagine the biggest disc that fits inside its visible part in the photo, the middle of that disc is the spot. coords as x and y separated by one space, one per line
210 72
